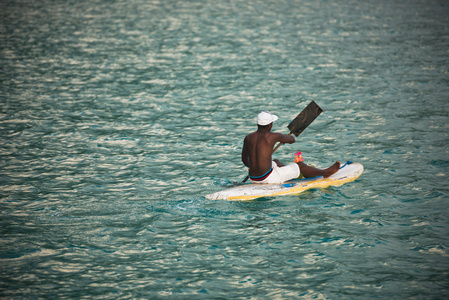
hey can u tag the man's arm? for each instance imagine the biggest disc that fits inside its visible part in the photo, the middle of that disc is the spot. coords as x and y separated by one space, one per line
285 138
245 154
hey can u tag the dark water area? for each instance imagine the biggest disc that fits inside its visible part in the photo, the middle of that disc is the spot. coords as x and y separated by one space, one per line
117 117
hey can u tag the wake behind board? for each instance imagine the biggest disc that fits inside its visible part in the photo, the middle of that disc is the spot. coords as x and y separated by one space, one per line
347 173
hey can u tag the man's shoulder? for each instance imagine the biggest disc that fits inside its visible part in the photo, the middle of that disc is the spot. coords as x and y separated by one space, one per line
268 133
275 134
254 133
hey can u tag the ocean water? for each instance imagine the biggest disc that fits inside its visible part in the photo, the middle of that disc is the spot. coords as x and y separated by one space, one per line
117 117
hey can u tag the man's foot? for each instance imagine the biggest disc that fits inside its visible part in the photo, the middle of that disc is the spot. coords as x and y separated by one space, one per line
331 170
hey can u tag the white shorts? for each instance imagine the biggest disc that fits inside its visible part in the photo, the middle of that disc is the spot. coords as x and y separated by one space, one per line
281 174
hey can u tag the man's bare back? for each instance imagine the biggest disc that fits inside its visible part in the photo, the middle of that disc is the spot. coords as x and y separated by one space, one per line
258 147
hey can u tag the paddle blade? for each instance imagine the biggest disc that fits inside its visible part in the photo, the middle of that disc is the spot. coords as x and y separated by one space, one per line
305 118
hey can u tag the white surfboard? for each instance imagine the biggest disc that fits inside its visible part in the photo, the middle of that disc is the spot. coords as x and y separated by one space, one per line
347 173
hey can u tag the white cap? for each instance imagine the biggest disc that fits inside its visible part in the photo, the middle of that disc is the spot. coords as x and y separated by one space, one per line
265 118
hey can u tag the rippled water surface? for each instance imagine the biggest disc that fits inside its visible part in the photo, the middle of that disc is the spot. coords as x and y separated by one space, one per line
117 117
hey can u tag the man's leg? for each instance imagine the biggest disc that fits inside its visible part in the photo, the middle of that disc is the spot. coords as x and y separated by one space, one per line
278 163
308 171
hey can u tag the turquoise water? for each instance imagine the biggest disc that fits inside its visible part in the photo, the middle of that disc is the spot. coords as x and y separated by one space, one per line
117 117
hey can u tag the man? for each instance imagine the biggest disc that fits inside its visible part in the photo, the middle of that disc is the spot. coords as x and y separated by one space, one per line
257 150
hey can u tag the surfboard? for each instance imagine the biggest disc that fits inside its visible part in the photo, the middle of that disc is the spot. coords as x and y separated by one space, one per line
347 173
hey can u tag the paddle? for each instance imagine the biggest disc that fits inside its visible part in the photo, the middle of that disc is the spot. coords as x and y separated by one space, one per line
300 123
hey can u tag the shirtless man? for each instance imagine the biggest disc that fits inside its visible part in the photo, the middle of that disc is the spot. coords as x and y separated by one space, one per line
257 150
